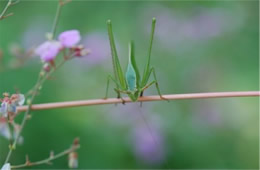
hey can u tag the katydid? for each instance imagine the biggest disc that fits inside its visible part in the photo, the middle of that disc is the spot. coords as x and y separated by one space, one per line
131 83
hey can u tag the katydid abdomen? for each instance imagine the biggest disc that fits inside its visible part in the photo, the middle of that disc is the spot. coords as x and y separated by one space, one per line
131 78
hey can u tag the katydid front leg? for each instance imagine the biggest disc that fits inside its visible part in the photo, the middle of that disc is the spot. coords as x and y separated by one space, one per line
119 96
142 91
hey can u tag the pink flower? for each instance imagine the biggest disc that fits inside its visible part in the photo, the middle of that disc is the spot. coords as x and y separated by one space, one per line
48 50
148 145
69 38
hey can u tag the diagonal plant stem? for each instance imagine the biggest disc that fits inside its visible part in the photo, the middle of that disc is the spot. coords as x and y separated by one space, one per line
56 19
12 146
9 3
49 159
40 80
61 3
37 87
141 99
5 9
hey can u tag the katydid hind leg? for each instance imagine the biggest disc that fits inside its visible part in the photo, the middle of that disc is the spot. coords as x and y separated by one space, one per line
123 91
147 86
157 84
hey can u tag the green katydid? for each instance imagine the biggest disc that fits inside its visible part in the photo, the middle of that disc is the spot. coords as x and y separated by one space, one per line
131 83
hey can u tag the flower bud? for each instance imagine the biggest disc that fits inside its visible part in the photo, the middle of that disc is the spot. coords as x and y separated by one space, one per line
84 52
49 36
76 142
81 51
46 67
28 101
73 160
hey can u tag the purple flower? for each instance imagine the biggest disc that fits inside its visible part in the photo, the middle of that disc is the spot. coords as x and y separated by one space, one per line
146 137
98 43
181 32
48 50
148 145
69 38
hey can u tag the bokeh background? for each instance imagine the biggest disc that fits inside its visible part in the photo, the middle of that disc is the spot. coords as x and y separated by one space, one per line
199 46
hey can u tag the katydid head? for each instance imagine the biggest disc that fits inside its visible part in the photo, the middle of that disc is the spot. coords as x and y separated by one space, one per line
134 96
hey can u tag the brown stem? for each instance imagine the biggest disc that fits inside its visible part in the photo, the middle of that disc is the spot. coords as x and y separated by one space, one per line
47 160
141 99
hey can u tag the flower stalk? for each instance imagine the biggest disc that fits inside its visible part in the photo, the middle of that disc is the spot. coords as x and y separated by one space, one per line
34 92
57 16
9 4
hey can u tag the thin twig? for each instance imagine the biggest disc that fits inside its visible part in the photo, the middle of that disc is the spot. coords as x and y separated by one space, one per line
55 22
39 83
61 3
141 99
47 160
9 3
12 147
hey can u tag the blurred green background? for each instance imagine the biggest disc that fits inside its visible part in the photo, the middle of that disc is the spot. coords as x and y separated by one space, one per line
199 46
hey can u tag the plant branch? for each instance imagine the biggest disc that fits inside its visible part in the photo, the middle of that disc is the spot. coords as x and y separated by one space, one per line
141 99
49 159
29 107
9 3
41 79
57 16
12 147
